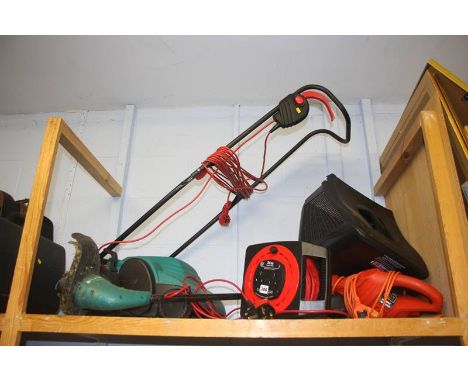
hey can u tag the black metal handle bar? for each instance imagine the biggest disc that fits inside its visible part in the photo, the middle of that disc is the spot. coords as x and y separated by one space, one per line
181 186
200 297
236 140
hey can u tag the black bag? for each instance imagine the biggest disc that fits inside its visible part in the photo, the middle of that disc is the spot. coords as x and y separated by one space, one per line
15 211
48 269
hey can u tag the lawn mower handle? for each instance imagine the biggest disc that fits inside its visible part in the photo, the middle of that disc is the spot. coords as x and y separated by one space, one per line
198 172
340 106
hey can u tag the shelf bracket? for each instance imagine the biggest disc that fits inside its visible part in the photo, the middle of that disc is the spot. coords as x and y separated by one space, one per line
56 132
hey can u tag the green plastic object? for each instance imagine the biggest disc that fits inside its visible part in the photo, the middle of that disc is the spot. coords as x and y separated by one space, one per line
171 271
166 270
96 293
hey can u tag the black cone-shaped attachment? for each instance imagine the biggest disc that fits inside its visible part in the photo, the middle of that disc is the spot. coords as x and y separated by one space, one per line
360 233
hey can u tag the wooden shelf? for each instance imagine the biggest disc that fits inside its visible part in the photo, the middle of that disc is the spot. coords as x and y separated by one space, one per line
320 328
419 181
185 327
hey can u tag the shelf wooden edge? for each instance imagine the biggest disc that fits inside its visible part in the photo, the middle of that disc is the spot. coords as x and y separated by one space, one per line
70 141
319 328
447 73
2 316
398 163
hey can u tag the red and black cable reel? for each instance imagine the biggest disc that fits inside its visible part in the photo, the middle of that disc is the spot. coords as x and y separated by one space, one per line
286 278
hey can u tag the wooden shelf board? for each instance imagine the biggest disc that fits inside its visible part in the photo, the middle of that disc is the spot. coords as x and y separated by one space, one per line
319 328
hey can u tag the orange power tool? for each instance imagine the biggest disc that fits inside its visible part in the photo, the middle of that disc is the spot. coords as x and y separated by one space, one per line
374 293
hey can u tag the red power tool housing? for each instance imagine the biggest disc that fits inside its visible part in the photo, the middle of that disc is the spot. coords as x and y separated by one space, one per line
409 296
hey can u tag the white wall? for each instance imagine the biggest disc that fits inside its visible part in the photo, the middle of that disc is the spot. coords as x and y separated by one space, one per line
168 144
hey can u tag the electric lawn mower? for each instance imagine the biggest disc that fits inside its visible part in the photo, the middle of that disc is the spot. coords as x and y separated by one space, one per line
281 279
99 283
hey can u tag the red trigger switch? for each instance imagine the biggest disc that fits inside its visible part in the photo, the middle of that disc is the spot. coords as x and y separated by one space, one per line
299 100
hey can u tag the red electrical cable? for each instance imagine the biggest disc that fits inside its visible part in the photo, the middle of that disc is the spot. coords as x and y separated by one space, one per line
264 153
223 166
160 224
229 174
201 311
312 287
239 174
210 310
202 286
224 281
312 280
224 218
231 312
254 135
184 290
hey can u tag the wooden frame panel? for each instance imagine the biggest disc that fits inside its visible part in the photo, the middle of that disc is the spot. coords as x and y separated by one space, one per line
407 137
186 327
56 132
429 132
449 205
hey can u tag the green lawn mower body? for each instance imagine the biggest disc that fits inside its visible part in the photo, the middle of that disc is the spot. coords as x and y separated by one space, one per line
133 286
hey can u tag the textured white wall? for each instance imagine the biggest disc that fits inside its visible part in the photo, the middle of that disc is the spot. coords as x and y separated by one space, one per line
168 144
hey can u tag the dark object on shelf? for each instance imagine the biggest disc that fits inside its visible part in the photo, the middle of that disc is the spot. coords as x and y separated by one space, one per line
359 232
15 211
48 269
285 277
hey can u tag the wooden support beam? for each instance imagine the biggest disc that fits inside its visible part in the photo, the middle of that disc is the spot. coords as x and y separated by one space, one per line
56 132
448 198
60 222
81 153
186 327
407 137
31 231
398 163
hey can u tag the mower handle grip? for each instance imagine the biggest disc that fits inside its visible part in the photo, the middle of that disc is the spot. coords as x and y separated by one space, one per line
305 91
321 98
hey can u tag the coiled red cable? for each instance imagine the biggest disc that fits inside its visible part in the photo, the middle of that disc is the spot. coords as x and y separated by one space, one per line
228 173
312 280
223 166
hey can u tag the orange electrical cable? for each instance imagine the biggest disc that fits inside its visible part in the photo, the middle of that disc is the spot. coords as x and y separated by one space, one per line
351 299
